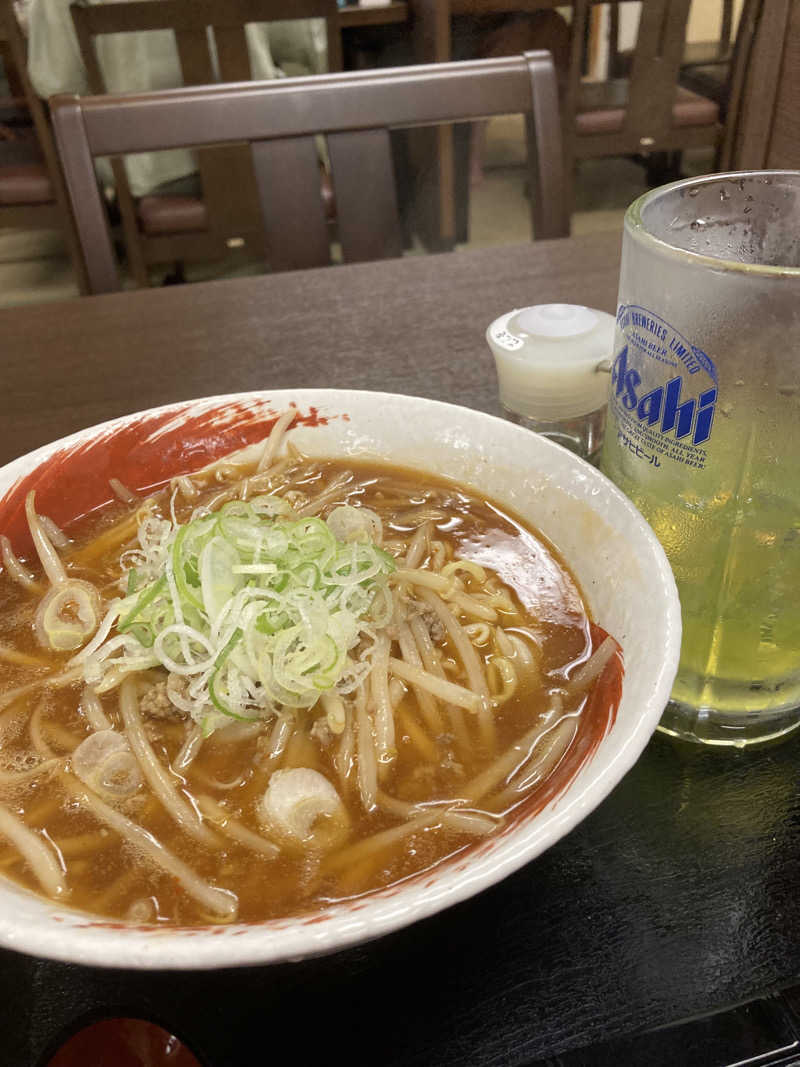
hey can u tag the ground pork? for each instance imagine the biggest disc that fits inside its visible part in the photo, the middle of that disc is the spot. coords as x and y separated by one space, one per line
157 705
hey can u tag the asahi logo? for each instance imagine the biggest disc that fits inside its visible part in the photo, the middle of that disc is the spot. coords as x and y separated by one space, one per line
663 405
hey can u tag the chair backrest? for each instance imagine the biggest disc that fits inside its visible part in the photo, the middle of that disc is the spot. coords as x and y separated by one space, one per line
212 47
279 120
653 79
763 124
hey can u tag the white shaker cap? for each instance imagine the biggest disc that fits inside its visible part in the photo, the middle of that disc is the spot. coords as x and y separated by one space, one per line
552 360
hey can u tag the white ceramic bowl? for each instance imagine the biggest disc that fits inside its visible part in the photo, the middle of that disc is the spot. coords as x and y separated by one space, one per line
613 553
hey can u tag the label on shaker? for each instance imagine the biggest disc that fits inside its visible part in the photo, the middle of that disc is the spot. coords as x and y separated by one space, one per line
663 391
506 340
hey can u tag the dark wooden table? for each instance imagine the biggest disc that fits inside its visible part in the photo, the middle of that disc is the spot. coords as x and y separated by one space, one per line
352 15
414 325
678 896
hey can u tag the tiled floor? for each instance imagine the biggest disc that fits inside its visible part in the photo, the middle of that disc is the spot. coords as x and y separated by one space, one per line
603 188
34 266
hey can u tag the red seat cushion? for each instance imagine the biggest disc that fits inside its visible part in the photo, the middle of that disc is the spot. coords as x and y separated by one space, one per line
25 183
188 214
172 214
691 109
602 108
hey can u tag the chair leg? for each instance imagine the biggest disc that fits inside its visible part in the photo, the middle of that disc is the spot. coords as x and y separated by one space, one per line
477 147
136 263
568 184
177 276
130 226
662 167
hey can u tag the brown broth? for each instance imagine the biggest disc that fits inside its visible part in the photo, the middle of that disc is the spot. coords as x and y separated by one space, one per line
109 878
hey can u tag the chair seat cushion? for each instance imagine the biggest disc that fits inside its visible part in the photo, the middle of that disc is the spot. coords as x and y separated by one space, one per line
188 214
709 80
25 183
172 214
602 108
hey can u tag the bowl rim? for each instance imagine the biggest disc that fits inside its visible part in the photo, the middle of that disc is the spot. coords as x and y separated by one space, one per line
60 933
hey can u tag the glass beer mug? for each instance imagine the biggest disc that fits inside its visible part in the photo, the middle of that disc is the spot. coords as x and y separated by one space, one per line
703 434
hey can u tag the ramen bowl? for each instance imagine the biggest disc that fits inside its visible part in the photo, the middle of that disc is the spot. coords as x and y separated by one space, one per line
611 551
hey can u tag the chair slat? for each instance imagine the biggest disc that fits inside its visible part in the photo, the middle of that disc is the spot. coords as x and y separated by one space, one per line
333 36
194 57
232 54
656 66
220 169
366 198
288 179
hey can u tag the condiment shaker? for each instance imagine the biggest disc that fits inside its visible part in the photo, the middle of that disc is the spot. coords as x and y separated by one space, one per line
553 362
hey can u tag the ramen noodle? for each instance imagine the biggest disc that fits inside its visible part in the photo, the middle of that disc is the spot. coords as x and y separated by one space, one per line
281 682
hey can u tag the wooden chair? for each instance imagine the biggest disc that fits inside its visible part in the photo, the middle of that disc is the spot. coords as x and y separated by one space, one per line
706 66
763 127
445 153
33 195
697 54
356 113
645 113
161 229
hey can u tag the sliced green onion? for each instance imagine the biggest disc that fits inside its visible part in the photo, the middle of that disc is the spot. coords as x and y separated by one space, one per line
219 662
249 609
68 615
145 599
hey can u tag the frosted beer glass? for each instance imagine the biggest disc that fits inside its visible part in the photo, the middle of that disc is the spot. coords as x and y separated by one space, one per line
704 436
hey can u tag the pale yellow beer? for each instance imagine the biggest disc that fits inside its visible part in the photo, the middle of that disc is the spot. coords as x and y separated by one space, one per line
736 560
